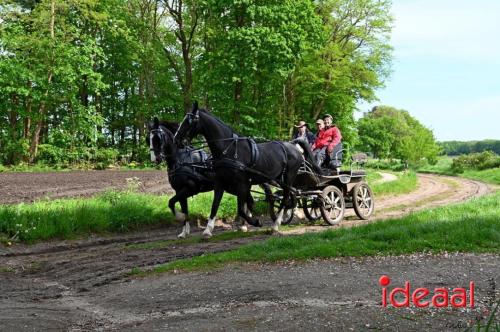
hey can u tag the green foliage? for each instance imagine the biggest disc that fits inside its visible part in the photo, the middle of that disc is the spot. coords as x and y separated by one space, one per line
388 132
88 74
455 148
476 161
444 166
406 182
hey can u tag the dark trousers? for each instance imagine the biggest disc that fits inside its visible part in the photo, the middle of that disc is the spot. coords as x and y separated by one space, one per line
332 160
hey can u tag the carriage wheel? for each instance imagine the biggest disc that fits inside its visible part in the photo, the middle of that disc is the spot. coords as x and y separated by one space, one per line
275 204
333 206
312 209
362 199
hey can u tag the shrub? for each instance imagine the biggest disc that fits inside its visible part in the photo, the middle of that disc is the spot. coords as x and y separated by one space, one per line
476 161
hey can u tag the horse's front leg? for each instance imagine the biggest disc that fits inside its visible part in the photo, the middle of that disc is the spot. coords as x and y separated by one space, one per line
186 229
218 193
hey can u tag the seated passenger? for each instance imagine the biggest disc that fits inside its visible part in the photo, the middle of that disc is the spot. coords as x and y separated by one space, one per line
328 146
304 133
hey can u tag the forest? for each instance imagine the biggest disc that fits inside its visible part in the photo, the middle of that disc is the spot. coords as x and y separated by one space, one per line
80 79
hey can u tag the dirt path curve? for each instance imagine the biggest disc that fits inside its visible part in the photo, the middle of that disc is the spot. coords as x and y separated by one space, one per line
28 187
85 284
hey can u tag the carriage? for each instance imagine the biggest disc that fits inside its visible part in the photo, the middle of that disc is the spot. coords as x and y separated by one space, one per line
322 196
288 167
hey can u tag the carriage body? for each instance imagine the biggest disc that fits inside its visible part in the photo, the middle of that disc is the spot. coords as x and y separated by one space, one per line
327 196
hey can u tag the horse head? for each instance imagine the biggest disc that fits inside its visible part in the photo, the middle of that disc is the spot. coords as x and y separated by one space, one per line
160 140
189 127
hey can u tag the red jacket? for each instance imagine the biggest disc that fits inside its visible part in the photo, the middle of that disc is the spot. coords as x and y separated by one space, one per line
327 137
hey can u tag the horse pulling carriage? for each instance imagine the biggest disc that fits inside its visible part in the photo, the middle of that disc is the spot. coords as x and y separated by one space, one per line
238 163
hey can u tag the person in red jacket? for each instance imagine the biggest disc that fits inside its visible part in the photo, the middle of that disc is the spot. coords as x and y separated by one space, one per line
328 145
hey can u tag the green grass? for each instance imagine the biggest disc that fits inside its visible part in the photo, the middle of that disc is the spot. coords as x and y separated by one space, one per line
406 182
443 166
488 175
473 226
372 176
109 212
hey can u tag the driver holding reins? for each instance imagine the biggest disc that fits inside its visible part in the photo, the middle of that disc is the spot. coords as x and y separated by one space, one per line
328 145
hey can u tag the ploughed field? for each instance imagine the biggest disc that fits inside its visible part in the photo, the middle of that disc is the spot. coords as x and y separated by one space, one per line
29 187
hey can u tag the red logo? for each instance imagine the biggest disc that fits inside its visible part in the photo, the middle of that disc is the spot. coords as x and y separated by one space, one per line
422 297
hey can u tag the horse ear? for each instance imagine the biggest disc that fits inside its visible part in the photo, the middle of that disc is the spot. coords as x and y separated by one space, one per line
195 106
156 122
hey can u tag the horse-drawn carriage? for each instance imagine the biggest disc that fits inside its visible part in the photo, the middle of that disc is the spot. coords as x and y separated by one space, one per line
288 176
322 196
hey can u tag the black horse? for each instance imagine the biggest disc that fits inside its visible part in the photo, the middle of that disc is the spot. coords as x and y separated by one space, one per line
240 163
188 172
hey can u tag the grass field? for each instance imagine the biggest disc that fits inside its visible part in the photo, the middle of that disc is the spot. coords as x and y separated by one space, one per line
109 212
406 182
443 166
473 226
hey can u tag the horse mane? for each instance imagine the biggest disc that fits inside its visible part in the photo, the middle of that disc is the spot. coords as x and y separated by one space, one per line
170 125
219 120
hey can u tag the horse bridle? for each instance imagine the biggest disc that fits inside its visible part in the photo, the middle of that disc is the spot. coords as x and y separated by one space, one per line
162 135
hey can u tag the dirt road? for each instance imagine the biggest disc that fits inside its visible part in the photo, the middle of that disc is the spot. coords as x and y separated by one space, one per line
84 285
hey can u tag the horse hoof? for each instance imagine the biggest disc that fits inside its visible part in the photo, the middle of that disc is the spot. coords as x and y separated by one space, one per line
181 236
207 235
244 229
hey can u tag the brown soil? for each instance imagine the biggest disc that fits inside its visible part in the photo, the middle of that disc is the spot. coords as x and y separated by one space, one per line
83 285
29 187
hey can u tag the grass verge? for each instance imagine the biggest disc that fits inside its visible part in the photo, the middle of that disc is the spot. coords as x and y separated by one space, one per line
112 211
406 182
443 166
473 226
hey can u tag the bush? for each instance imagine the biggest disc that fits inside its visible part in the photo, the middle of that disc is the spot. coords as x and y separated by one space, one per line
393 165
13 152
89 156
475 161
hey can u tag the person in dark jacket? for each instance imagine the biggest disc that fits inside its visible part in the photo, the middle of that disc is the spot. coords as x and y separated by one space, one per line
304 132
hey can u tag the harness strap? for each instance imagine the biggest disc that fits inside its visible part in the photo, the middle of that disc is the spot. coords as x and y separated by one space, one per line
255 152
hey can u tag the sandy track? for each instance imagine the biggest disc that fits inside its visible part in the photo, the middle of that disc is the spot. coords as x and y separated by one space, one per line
84 285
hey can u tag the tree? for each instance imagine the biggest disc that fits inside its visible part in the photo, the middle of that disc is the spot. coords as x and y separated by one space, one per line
390 133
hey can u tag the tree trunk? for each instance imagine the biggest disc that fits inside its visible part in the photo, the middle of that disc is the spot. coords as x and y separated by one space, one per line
35 138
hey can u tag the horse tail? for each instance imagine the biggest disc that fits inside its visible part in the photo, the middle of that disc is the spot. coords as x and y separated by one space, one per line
308 155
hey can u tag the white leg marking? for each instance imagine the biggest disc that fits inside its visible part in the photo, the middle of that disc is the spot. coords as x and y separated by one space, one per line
210 228
185 231
277 223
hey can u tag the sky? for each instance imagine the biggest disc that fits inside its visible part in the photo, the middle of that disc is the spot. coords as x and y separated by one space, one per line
446 67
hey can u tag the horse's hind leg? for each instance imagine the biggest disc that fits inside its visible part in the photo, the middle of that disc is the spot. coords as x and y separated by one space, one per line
248 208
279 217
186 229
244 211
